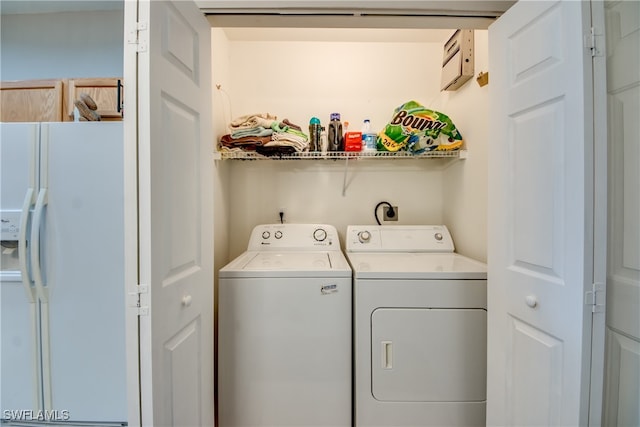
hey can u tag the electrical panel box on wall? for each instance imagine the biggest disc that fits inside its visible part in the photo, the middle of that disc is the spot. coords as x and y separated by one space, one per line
457 61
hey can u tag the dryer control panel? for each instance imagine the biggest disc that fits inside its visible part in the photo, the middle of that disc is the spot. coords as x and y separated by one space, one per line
294 237
399 238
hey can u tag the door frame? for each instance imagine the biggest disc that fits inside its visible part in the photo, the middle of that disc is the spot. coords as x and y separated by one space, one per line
600 220
131 214
131 233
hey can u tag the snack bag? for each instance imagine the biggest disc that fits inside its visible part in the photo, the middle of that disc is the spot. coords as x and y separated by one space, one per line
416 129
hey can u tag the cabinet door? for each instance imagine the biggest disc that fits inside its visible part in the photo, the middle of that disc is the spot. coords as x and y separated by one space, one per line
31 101
106 92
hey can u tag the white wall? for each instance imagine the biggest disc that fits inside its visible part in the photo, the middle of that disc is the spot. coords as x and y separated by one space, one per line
298 80
66 44
311 192
220 75
465 183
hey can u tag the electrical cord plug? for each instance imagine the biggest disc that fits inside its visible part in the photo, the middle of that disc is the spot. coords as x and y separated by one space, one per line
390 211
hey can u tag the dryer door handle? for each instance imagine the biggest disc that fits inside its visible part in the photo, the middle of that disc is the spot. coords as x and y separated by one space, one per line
387 354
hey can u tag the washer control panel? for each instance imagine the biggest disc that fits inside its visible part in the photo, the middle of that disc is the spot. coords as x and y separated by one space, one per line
294 236
399 238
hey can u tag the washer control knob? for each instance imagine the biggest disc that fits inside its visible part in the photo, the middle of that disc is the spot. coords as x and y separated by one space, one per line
320 235
278 234
266 234
364 236
438 236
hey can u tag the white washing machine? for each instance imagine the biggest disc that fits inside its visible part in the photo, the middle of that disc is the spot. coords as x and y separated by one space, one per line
284 330
420 328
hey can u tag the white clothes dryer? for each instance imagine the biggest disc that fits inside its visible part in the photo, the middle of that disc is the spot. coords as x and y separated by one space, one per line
420 328
284 330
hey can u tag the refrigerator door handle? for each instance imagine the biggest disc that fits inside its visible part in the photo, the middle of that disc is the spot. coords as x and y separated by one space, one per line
22 246
35 245
25 273
43 295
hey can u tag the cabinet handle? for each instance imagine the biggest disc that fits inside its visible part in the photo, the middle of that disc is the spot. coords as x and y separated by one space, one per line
119 95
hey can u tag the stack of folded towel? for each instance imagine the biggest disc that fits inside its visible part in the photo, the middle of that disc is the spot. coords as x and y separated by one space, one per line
264 134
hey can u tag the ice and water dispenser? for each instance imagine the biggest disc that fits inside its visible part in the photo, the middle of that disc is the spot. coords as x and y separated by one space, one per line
10 221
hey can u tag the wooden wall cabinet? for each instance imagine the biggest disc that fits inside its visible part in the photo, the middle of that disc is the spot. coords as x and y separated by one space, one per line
52 100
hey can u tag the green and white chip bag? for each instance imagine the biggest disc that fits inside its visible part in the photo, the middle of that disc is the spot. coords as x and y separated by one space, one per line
417 129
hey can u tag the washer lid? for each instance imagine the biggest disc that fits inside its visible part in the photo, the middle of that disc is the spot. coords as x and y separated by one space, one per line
287 264
397 265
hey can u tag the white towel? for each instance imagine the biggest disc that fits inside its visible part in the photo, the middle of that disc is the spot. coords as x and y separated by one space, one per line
251 121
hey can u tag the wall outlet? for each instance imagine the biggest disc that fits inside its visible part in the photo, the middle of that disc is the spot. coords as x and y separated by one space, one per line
389 214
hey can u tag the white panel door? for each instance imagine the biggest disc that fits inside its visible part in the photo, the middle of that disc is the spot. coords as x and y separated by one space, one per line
540 204
175 178
622 375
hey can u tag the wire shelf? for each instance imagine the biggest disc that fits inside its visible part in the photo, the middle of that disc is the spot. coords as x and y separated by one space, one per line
336 155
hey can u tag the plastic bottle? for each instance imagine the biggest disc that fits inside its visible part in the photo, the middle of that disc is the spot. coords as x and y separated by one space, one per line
368 137
314 134
366 126
335 135
324 145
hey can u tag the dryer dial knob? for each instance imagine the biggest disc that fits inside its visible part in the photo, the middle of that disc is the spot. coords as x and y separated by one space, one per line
266 234
320 235
364 236
438 236
278 234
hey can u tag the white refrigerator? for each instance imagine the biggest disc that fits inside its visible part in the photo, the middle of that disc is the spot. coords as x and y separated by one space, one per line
62 319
